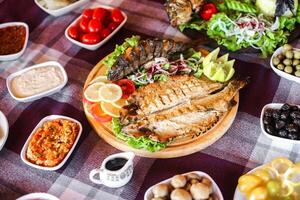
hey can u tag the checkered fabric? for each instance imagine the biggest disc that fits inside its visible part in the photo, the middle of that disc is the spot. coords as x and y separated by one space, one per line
243 147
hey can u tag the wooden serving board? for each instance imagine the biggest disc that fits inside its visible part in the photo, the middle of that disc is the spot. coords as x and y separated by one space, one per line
177 149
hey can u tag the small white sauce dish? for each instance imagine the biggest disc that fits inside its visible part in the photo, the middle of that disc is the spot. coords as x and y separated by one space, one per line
40 124
63 10
38 195
18 54
276 106
102 42
216 190
39 95
4 129
282 73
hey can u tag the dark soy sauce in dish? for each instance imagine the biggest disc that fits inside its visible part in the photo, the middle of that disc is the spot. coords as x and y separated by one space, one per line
115 164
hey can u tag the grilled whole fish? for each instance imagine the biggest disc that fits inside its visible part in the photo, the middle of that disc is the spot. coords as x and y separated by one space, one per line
180 11
183 106
145 51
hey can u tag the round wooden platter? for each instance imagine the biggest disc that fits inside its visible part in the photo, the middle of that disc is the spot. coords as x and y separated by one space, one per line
177 149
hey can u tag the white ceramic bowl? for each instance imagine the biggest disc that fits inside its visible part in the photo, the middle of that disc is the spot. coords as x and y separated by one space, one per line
40 95
40 124
4 129
62 11
283 140
102 42
149 195
18 54
282 73
40 195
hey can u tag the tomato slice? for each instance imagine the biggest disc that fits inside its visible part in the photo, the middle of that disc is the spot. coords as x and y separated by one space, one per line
99 114
127 87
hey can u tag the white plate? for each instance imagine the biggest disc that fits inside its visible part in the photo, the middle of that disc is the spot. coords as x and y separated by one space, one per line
40 195
216 190
276 106
102 42
49 118
18 54
4 129
282 73
42 94
64 10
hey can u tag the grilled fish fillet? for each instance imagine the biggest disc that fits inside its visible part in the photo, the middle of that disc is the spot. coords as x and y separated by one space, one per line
145 51
186 114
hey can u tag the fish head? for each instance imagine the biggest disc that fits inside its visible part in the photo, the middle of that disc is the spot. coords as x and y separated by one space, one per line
115 73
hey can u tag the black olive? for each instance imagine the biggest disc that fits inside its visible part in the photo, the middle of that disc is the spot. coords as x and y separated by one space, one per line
286 106
295 108
284 115
292 136
270 129
295 114
279 124
297 122
267 120
283 133
269 113
292 128
276 114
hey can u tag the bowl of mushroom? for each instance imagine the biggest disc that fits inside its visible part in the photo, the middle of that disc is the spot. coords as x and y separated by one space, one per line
189 186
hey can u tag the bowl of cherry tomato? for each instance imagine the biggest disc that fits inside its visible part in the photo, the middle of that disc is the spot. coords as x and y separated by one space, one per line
95 26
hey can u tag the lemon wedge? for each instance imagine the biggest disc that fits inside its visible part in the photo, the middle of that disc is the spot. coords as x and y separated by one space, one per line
87 108
110 109
110 93
287 188
120 103
100 79
91 93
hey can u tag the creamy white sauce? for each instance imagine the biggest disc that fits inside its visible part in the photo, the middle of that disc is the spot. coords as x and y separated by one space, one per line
36 81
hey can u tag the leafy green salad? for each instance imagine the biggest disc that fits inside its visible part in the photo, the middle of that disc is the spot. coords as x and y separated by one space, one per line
260 24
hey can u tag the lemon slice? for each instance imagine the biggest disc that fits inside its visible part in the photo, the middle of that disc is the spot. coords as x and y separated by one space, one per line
281 165
287 189
110 93
292 175
120 103
100 79
91 93
87 108
110 109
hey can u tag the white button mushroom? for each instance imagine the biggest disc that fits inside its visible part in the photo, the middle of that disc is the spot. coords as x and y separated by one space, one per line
180 194
193 176
199 191
178 181
161 190
207 182
158 198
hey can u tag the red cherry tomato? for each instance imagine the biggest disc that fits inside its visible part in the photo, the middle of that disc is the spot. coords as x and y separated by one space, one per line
105 33
87 13
99 114
73 32
112 26
208 10
127 87
117 16
90 38
99 14
95 26
84 24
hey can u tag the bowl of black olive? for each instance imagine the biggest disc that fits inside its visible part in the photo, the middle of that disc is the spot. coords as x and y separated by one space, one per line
281 122
285 62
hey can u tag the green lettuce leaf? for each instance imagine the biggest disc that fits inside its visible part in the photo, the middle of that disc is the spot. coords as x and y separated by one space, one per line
138 143
110 60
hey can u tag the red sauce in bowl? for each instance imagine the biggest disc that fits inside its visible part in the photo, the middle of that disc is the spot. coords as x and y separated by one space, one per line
12 39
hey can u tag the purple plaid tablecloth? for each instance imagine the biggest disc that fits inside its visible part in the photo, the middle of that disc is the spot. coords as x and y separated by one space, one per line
240 149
